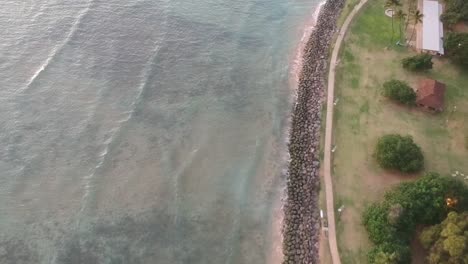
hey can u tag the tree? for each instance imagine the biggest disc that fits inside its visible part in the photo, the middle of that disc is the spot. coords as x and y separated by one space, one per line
455 11
375 219
450 18
455 245
429 235
412 6
416 16
390 253
393 5
419 62
456 46
391 223
399 153
447 242
399 91
401 16
386 258
426 199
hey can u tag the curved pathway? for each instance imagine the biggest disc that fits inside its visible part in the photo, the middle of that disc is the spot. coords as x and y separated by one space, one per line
328 137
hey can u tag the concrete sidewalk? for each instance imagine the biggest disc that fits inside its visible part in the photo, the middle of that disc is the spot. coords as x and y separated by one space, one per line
328 137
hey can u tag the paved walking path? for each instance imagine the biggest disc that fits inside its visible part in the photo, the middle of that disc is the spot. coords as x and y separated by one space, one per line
328 137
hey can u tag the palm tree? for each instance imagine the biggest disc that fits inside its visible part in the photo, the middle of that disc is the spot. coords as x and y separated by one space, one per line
392 4
416 16
412 6
401 16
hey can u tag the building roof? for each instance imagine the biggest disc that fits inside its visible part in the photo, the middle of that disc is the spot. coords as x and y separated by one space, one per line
433 29
431 93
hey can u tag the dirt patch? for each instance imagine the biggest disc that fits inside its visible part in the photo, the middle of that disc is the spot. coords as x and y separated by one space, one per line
461 27
418 253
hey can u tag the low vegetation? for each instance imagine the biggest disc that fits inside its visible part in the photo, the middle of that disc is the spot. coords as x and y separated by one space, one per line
420 62
447 242
456 45
391 223
400 153
399 91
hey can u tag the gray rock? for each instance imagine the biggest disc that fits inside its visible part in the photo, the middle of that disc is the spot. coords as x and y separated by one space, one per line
301 225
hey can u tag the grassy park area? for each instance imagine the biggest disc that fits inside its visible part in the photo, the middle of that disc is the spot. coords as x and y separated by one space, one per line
362 115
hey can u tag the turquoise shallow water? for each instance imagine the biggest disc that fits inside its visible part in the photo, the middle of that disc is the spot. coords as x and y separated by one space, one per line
144 131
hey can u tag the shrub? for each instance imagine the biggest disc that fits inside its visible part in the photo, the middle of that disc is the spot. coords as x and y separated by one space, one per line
456 46
421 202
399 91
419 62
399 153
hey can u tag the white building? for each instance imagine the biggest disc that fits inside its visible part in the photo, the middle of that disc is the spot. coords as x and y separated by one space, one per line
433 29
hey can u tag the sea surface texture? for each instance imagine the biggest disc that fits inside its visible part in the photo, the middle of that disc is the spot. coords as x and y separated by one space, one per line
144 131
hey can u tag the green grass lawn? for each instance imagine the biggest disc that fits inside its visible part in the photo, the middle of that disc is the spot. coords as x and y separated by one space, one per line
362 115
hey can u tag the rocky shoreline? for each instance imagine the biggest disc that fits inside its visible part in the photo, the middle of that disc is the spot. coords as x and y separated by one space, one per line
301 225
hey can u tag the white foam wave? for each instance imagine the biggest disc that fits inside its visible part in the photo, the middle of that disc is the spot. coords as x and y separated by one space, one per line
88 181
298 60
58 47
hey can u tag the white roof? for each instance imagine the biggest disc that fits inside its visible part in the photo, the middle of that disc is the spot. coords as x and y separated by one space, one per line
433 30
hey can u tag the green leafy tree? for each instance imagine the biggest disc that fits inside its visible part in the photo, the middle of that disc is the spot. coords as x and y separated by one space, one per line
426 199
455 245
450 18
391 223
399 91
429 235
390 253
375 219
447 241
456 46
420 62
399 153
386 258
455 11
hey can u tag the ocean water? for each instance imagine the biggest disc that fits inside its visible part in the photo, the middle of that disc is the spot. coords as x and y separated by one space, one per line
144 131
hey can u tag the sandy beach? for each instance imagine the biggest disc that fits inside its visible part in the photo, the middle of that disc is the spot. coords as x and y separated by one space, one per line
298 59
